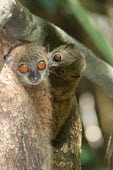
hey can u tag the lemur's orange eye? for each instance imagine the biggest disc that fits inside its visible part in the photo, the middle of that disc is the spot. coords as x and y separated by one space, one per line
23 68
41 65
57 57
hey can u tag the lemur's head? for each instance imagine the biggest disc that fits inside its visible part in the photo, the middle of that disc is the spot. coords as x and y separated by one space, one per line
67 62
29 62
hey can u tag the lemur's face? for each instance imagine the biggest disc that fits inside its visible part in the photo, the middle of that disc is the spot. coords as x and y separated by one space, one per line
67 62
29 62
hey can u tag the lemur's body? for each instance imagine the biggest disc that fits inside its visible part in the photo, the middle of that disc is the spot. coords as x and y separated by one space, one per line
64 77
66 67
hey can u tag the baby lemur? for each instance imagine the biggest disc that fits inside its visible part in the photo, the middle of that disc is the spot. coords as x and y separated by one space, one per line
50 79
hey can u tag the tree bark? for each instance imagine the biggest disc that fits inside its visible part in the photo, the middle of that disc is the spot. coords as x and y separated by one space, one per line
23 145
67 146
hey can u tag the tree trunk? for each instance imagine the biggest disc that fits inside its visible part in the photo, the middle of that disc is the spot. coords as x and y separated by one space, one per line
23 145
68 143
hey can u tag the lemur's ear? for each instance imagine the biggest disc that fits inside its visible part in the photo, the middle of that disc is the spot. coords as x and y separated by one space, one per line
70 46
47 48
10 59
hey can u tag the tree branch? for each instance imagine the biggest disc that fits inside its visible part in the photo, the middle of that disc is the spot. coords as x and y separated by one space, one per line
6 11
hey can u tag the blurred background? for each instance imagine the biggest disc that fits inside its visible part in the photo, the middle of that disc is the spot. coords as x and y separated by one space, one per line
90 22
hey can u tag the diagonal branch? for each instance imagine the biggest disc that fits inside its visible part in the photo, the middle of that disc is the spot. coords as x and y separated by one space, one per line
24 25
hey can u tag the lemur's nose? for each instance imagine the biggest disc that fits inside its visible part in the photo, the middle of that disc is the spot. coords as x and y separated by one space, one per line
36 75
52 64
35 78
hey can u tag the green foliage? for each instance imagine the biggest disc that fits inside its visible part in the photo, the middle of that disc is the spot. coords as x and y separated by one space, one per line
90 159
30 4
90 27
50 4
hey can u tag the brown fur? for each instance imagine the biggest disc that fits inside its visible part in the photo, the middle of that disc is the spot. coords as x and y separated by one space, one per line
63 87
54 97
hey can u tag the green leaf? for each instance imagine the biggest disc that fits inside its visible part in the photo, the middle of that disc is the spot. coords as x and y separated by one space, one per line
90 27
50 5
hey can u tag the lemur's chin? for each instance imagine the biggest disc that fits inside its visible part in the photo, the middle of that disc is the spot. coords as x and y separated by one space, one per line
35 82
